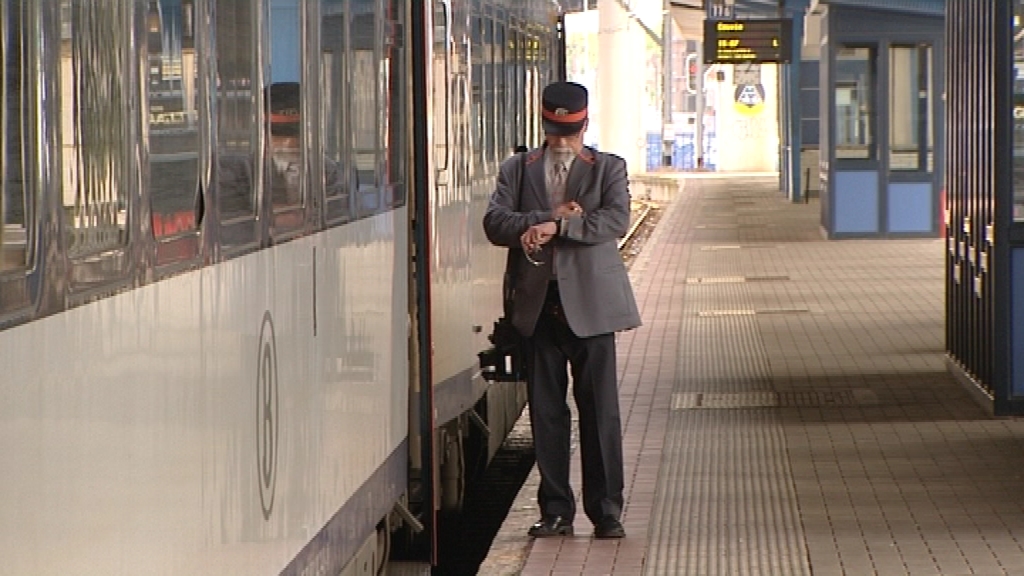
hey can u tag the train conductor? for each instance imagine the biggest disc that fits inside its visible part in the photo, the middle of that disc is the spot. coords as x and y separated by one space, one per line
560 210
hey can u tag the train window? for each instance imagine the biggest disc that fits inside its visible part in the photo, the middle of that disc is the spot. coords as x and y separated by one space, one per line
505 141
368 120
477 111
440 72
532 90
490 126
855 103
395 105
235 39
515 91
94 132
172 79
910 104
528 91
335 70
542 67
285 152
14 209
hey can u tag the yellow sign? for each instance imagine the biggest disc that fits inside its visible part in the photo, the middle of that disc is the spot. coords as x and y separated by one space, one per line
748 41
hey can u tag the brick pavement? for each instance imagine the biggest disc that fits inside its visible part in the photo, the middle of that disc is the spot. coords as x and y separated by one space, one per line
786 410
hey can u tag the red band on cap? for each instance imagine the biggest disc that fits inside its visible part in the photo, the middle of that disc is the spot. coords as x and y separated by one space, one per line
564 118
284 118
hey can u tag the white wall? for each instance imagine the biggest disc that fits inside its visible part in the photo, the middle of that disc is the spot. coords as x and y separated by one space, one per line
746 117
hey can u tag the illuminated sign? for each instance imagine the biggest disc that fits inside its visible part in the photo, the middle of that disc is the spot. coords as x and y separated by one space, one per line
731 41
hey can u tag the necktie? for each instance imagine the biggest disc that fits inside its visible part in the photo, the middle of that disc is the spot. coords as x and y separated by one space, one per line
557 192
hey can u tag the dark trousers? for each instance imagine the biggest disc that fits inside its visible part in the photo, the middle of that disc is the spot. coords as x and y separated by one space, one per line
552 347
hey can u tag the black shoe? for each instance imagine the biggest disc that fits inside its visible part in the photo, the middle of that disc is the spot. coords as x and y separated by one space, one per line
609 527
549 526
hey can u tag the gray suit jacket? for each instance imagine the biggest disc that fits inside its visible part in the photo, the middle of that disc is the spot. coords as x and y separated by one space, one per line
592 280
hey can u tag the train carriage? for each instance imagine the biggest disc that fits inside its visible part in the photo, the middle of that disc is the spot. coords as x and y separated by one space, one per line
242 277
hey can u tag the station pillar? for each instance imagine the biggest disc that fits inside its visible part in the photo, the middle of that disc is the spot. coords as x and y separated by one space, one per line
617 106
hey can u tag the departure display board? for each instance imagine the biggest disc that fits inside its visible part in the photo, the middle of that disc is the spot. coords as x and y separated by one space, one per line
759 41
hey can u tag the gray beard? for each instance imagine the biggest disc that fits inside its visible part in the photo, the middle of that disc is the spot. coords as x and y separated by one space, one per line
561 154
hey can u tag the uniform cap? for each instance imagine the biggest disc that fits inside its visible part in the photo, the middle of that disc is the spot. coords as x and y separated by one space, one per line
563 108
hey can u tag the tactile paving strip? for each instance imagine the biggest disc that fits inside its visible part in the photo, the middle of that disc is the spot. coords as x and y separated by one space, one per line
734 279
763 399
725 503
736 512
750 312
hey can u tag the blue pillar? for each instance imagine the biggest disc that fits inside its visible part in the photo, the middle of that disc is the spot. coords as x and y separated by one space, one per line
791 117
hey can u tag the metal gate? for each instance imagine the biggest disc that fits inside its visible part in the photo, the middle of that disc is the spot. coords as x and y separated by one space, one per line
979 199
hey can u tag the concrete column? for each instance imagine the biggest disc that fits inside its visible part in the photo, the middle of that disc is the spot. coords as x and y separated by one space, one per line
616 107
747 118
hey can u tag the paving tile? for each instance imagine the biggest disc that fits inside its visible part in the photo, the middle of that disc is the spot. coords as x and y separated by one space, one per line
917 481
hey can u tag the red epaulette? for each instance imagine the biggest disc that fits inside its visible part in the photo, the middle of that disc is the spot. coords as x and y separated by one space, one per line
587 155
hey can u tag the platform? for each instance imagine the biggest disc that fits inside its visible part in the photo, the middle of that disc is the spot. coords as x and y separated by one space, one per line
787 410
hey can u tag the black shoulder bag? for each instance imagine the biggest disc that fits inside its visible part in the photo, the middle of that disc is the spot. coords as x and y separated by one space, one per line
504 361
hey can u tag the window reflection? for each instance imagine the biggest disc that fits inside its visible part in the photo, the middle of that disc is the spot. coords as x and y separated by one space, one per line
284 106
395 104
478 76
93 133
534 86
173 116
515 87
285 144
235 35
13 209
854 103
505 142
367 120
439 82
335 106
910 98
490 125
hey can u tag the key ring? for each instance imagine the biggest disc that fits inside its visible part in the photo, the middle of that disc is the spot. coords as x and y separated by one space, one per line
530 259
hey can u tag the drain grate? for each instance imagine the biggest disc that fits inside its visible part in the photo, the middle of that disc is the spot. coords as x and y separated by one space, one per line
763 399
750 312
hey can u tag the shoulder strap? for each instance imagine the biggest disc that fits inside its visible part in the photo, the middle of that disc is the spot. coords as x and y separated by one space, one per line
522 178
509 282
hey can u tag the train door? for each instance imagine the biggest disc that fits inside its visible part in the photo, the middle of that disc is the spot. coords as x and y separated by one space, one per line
431 67
441 134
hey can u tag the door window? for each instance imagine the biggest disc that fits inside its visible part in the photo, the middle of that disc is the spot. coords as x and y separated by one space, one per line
854 103
910 104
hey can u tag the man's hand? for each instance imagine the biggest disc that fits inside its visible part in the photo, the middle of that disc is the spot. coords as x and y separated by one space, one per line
567 209
537 236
